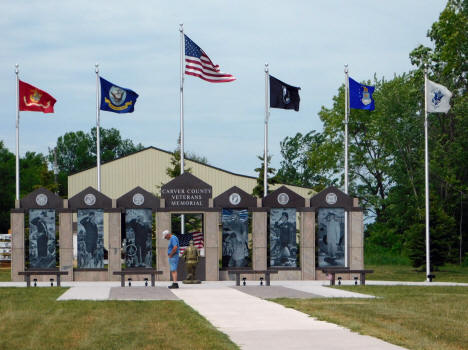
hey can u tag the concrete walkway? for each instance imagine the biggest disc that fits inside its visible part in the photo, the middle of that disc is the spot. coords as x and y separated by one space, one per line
243 313
254 323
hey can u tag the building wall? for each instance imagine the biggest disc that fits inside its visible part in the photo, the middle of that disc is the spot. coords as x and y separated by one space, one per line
148 170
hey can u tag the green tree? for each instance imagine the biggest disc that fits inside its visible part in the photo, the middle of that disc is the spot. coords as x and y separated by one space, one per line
76 151
258 190
300 165
448 133
7 186
34 173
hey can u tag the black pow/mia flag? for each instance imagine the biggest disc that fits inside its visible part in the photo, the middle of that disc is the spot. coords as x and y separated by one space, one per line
283 95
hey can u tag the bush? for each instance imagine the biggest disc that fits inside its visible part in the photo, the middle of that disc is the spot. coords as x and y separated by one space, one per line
378 255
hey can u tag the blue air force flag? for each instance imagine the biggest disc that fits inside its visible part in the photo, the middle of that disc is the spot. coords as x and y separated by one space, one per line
360 95
437 97
116 99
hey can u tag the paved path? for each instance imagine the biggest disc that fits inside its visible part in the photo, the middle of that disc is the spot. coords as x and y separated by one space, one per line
243 313
254 323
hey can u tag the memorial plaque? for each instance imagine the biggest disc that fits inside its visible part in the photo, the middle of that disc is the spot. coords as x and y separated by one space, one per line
138 238
235 238
331 242
91 238
283 245
42 238
186 192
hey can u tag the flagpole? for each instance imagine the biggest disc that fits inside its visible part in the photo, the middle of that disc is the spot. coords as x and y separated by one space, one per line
346 184
426 176
98 137
182 54
17 134
182 153
267 115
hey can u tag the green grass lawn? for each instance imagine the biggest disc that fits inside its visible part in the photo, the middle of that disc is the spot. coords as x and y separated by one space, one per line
33 319
447 273
432 318
5 275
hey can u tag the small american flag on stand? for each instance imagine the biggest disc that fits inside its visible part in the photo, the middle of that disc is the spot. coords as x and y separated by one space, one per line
198 64
184 240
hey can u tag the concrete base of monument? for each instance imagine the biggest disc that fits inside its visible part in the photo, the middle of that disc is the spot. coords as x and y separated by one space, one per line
191 282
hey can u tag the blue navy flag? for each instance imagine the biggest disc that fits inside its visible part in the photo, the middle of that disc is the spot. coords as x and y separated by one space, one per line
116 99
360 95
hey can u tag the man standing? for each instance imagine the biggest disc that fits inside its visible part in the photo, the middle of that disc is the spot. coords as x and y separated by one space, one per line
173 256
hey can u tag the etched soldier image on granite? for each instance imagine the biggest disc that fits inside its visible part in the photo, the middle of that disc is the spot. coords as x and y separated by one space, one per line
283 245
42 238
91 238
331 237
235 238
138 238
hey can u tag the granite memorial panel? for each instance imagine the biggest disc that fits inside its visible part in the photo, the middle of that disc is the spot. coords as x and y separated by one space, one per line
42 238
331 242
90 238
138 238
235 238
283 245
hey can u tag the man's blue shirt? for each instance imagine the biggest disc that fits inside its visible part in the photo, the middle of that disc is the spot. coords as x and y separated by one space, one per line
173 241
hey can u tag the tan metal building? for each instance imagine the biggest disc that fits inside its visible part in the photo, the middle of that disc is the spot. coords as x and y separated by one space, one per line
147 169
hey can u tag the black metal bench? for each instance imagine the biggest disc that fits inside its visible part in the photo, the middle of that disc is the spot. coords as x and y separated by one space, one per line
244 272
136 271
42 272
334 271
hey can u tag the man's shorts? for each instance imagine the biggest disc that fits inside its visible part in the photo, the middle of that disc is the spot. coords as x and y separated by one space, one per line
173 262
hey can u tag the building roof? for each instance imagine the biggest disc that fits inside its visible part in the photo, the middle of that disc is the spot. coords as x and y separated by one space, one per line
147 168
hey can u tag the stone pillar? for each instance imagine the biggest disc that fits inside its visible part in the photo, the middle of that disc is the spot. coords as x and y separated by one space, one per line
17 246
163 222
115 239
211 246
308 245
66 244
356 240
259 240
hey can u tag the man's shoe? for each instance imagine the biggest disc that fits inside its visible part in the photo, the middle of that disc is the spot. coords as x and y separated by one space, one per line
173 286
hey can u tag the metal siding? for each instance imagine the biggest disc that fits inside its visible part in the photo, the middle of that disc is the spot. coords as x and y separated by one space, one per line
148 170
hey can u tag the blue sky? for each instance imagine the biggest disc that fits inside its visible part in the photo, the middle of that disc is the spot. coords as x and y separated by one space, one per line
306 44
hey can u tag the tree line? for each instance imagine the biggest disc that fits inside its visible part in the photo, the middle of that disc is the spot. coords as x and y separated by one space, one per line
386 150
74 152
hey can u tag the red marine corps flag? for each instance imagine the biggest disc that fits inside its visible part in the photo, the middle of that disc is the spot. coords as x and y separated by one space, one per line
34 99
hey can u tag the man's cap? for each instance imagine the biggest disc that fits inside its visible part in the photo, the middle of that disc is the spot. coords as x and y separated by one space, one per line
165 233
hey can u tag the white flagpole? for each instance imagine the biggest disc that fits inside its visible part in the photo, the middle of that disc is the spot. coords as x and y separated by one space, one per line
182 154
17 133
346 160
182 56
98 137
267 115
426 176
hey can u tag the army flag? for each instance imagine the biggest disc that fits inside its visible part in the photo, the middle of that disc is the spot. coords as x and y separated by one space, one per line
116 99
437 97
283 95
34 99
361 96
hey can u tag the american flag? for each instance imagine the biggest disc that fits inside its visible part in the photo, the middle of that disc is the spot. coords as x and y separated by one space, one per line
198 64
184 240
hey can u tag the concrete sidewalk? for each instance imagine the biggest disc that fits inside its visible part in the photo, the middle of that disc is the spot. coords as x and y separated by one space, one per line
254 323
